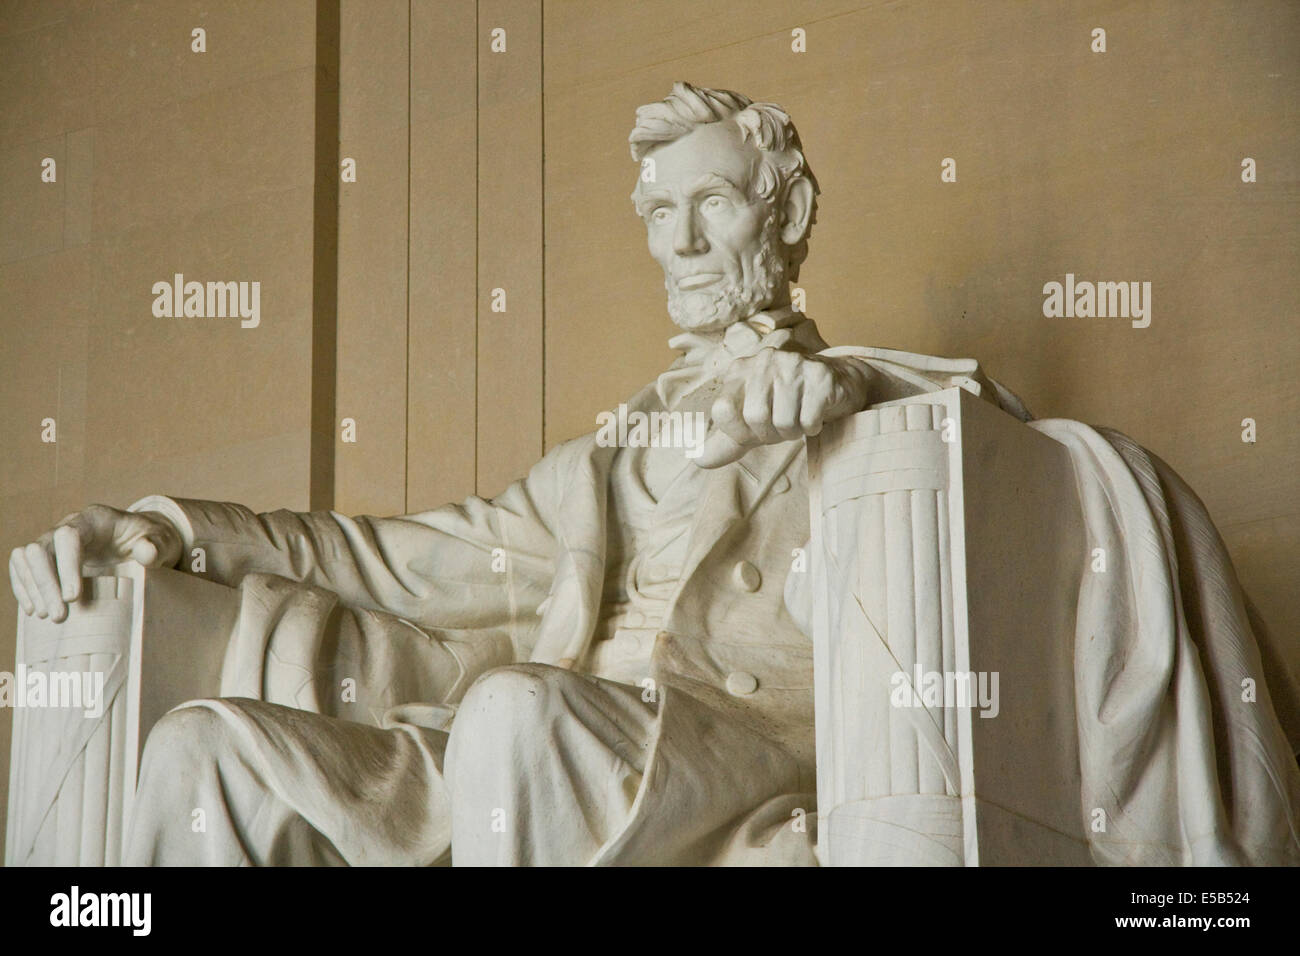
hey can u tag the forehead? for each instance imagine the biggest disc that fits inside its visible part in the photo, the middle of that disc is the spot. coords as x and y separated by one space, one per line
716 149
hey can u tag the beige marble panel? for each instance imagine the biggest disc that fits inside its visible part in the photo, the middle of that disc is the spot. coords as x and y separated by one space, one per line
206 386
441 307
19 16
370 474
47 303
219 148
47 79
510 255
142 48
31 209
1268 564
78 187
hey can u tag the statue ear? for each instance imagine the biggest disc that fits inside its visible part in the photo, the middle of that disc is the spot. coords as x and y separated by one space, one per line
796 211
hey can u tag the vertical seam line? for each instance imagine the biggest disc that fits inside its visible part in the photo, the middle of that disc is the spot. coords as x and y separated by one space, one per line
410 78
541 99
478 132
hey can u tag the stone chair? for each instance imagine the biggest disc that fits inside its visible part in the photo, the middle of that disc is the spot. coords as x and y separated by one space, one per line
947 543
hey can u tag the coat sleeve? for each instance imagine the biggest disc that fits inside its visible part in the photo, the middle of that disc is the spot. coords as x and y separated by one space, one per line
903 374
479 564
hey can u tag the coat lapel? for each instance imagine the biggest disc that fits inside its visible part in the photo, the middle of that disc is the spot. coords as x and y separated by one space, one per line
733 493
570 611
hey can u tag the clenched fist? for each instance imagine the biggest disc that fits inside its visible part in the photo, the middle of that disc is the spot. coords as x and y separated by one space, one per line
774 396
46 574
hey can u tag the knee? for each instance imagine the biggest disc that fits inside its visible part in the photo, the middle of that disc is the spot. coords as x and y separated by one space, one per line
508 699
182 741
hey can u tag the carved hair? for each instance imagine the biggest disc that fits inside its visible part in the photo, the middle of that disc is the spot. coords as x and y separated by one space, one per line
689 107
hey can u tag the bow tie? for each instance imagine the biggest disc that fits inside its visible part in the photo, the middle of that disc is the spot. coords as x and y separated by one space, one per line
707 356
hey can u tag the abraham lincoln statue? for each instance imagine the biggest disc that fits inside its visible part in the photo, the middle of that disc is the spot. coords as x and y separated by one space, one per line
609 663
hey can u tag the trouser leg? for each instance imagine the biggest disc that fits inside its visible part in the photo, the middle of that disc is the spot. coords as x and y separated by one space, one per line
274 785
543 765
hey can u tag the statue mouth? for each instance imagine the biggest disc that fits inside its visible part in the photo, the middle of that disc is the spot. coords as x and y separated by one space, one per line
698 280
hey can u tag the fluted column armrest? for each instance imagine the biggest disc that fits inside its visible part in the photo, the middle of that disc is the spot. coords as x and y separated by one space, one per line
87 692
947 545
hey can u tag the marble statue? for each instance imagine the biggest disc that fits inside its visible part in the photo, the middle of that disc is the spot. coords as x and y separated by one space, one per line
611 662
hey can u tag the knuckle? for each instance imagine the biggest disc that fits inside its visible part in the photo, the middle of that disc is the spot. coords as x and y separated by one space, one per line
784 414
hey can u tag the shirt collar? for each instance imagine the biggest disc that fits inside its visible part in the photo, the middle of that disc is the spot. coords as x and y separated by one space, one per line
705 356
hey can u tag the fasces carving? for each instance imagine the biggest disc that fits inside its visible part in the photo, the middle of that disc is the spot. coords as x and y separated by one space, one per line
885 514
68 769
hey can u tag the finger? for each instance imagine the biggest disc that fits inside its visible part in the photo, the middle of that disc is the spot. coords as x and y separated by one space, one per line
145 551
786 406
852 389
812 414
16 582
719 449
67 558
846 387
819 384
125 538
29 583
725 415
40 563
758 410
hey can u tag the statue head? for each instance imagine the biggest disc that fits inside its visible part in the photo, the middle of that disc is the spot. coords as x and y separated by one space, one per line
728 202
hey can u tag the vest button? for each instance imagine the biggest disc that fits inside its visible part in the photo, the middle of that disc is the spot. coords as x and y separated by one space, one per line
746 576
740 684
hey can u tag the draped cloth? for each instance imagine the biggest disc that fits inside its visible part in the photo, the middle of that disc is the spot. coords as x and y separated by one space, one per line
1179 744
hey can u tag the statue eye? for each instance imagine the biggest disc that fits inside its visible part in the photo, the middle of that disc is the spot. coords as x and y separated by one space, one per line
660 215
713 204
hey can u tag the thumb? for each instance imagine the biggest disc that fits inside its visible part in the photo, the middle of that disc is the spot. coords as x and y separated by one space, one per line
145 551
719 449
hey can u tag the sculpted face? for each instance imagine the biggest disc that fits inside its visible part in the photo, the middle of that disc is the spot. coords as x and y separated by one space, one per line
720 247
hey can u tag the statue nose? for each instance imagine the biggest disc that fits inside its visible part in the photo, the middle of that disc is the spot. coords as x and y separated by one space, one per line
688 239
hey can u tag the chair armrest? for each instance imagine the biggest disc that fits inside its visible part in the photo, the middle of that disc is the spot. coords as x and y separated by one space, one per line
86 693
947 546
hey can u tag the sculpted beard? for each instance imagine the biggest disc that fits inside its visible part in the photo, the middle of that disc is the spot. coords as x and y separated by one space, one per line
713 309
